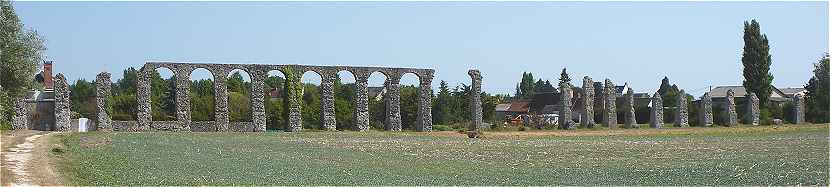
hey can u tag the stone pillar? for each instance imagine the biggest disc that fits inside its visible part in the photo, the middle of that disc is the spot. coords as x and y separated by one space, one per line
62 104
327 111
731 113
610 101
475 100
102 94
295 117
424 121
656 119
143 97
681 118
393 103
565 118
798 109
587 120
183 98
20 120
220 100
258 114
706 117
361 112
752 111
630 117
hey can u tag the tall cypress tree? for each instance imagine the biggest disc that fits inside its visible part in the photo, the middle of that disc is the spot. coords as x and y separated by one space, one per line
756 60
564 78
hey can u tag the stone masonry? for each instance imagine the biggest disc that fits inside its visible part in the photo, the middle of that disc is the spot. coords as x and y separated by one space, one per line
752 111
656 118
20 120
258 73
706 117
62 104
565 113
681 118
630 117
731 113
475 100
102 94
587 103
610 102
798 109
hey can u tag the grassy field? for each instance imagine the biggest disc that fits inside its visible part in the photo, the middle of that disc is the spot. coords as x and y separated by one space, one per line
788 155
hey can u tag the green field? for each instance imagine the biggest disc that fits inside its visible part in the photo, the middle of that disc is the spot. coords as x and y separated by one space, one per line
789 155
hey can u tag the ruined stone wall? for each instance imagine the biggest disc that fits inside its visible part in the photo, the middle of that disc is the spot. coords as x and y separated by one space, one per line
62 104
258 73
20 120
565 113
587 120
630 118
798 109
731 113
706 117
656 118
610 102
753 112
475 100
102 93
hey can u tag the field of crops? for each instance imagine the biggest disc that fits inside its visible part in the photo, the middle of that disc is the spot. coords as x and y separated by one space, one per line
788 155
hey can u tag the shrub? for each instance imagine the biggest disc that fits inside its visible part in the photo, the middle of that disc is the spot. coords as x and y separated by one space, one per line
441 128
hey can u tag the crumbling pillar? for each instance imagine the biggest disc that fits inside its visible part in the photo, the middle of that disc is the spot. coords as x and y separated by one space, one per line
62 104
731 113
361 112
102 93
183 98
327 111
656 119
630 117
424 121
798 109
143 97
294 96
681 118
220 100
753 111
587 120
393 103
565 118
258 114
706 117
475 101
610 102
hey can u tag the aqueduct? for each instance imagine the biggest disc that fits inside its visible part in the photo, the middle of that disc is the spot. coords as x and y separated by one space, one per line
258 73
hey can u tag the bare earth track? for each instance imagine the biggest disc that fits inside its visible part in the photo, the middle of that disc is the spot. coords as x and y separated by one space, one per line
26 159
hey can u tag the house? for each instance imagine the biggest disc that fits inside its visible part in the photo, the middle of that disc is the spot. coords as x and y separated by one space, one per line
512 110
718 94
275 93
791 92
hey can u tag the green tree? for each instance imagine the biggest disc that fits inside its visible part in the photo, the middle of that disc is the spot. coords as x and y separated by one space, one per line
441 110
20 57
756 60
526 87
818 93
82 96
564 78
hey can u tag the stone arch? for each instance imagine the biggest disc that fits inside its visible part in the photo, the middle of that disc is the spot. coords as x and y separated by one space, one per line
409 98
344 95
312 110
275 105
163 101
376 93
238 84
202 92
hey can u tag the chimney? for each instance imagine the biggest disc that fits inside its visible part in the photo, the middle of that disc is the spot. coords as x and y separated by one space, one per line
47 75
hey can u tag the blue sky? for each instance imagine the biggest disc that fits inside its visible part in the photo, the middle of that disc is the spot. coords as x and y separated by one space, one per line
696 44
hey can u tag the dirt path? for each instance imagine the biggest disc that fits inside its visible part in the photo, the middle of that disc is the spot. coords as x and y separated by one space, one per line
26 160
